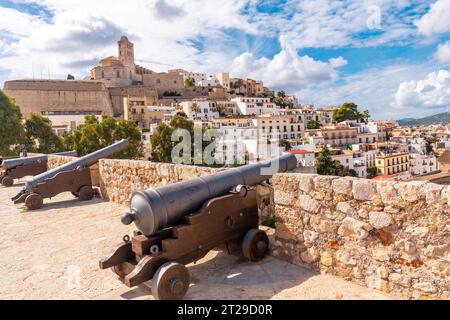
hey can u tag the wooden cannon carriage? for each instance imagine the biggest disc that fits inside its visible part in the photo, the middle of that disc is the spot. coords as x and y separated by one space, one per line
230 221
74 177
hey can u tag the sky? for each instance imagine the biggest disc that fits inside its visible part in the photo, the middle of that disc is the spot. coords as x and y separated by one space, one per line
391 57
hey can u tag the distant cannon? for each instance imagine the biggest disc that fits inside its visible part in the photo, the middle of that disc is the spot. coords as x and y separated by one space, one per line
180 223
21 167
74 177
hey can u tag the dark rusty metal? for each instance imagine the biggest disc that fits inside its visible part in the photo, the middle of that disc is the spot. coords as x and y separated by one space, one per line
22 167
135 262
74 177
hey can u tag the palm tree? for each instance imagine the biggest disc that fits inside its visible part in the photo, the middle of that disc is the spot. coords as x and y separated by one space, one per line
195 108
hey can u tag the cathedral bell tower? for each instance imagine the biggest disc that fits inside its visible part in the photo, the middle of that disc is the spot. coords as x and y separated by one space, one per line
126 52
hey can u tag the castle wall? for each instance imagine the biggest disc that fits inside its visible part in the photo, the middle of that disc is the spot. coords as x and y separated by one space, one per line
389 236
163 82
118 93
37 96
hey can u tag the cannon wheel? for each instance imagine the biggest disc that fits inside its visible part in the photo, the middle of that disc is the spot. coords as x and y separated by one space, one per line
255 245
75 194
34 201
7 181
170 282
86 193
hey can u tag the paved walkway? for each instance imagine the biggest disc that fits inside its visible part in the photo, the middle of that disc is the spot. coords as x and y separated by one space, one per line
53 253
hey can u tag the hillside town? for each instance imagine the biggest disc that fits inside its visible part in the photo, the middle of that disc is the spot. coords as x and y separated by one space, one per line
224 150
252 122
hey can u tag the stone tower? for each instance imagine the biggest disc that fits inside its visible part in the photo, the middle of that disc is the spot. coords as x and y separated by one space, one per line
126 52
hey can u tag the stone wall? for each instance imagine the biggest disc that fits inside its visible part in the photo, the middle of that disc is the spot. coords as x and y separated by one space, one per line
37 96
120 178
390 236
57 161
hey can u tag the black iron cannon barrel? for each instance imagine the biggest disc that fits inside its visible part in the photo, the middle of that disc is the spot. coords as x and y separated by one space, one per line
8 164
155 209
82 162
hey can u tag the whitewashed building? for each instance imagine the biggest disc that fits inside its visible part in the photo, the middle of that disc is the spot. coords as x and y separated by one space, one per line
255 106
200 109
422 164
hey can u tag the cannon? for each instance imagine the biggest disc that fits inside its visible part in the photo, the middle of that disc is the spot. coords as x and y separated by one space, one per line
74 177
21 167
180 223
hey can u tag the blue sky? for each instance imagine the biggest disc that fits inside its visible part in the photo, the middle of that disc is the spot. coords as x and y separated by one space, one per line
391 57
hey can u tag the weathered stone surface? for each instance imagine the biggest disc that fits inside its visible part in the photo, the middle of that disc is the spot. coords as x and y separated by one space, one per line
388 192
342 186
344 207
326 259
354 228
439 251
310 256
411 191
363 190
309 204
425 287
306 182
380 220
285 198
433 193
310 237
386 235
410 247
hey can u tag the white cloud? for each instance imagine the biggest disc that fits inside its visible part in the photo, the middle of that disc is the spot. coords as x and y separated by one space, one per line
431 92
437 20
372 89
83 31
18 24
287 69
443 53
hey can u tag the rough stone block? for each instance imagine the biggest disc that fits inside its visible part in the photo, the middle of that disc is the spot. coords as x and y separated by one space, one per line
308 204
353 228
342 186
363 190
380 220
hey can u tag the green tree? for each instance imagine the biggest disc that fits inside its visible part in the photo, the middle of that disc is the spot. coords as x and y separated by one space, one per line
313 124
40 137
372 172
189 82
286 144
11 128
365 116
352 173
281 101
348 111
281 94
162 144
429 141
328 167
93 135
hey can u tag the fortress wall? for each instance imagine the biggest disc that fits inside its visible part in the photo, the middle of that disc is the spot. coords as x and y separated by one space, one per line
119 93
389 236
36 96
